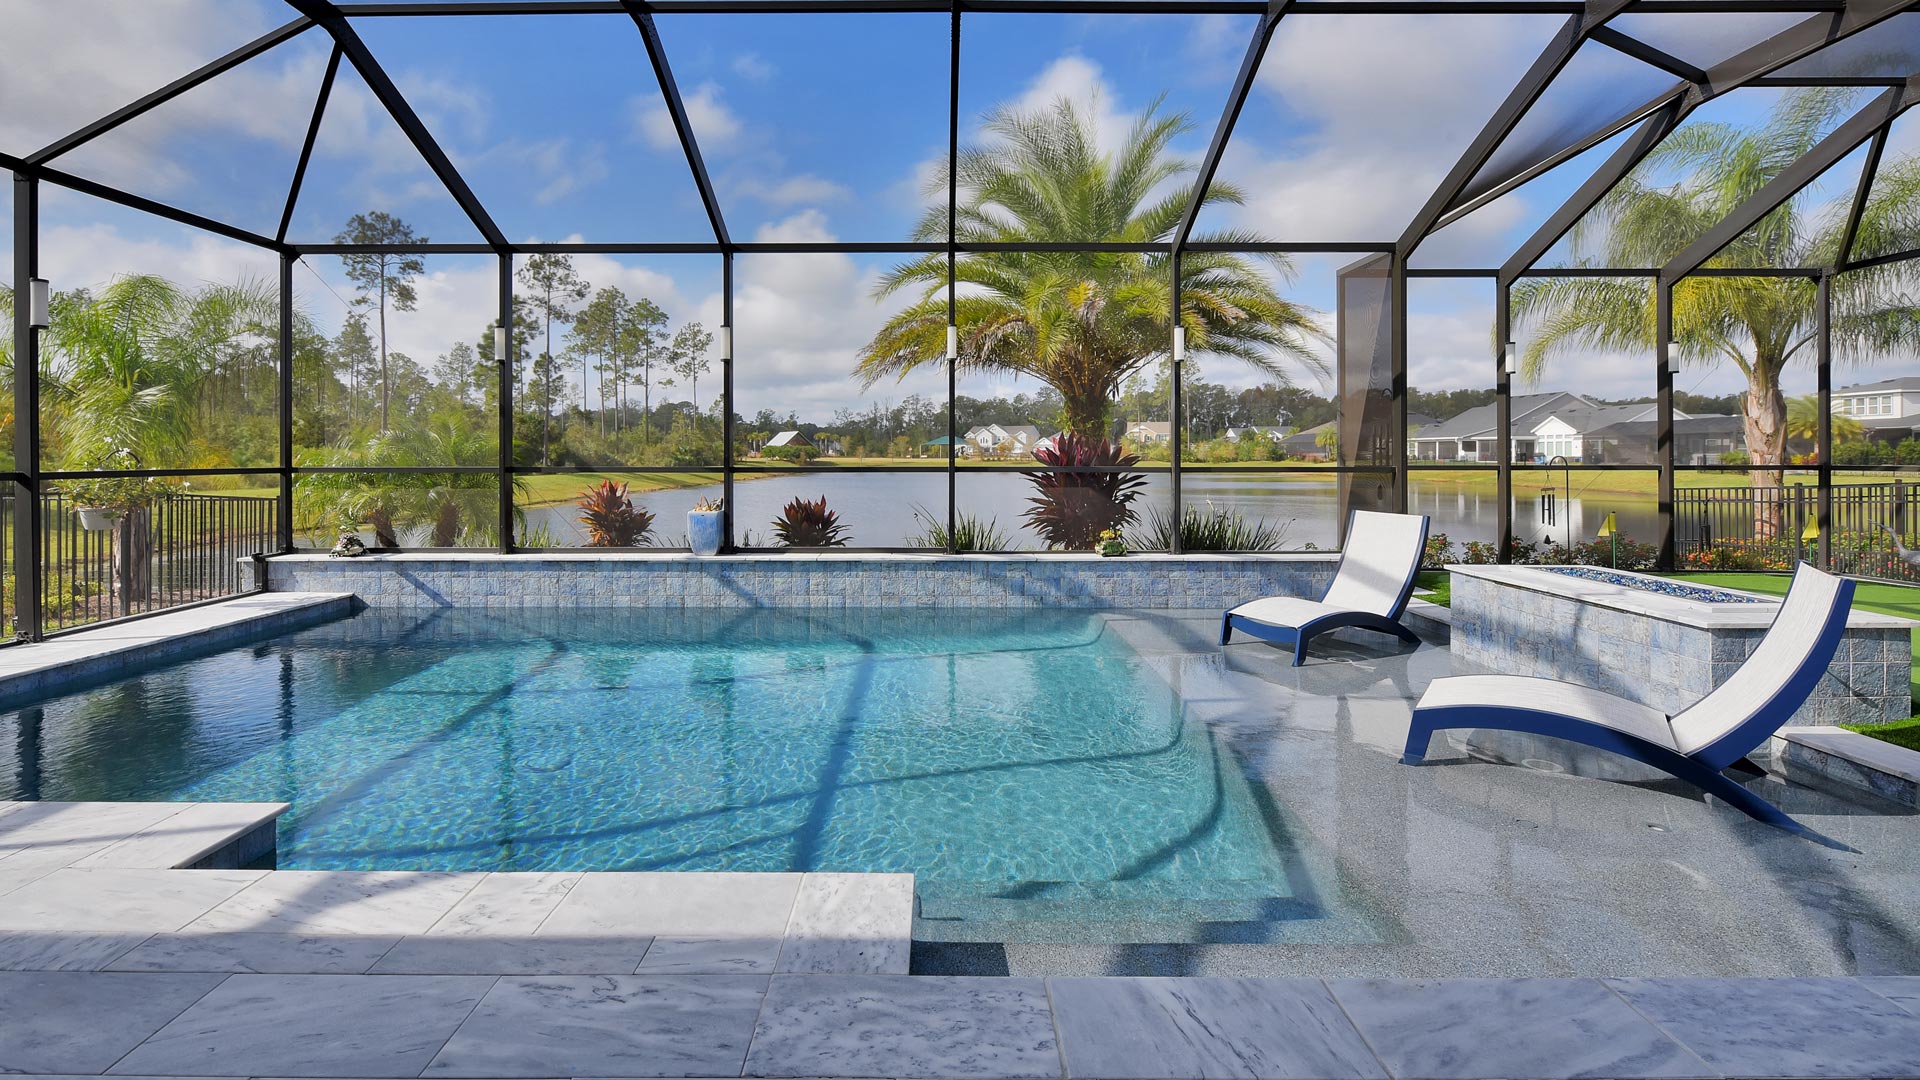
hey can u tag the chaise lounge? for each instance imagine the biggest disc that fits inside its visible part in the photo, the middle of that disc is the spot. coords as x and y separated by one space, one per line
1369 588
1694 745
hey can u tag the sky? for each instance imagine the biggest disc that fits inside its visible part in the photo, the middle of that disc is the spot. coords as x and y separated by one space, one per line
814 128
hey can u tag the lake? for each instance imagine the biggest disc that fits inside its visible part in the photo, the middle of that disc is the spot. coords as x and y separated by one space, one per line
879 508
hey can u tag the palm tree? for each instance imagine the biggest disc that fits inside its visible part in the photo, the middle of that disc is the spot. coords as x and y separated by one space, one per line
1691 182
1082 322
458 507
120 369
1803 422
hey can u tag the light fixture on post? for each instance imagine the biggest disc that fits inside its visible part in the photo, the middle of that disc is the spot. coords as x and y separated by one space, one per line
1510 358
500 344
953 342
1673 353
1179 343
38 304
726 342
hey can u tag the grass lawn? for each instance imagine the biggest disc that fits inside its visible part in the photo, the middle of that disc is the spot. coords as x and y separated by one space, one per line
1434 586
1901 600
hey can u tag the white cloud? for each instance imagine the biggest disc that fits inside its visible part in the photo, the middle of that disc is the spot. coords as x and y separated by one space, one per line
1076 79
792 191
714 125
752 66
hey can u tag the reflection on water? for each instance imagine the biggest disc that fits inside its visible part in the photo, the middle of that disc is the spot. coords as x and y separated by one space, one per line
879 507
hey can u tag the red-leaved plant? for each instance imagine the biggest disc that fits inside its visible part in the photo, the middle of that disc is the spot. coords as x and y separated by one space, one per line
611 519
1071 509
804 523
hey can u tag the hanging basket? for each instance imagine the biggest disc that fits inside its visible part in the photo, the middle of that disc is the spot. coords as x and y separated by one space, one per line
97 518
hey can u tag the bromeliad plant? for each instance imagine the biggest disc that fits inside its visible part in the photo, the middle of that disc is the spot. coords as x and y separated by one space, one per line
611 518
1071 509
808 523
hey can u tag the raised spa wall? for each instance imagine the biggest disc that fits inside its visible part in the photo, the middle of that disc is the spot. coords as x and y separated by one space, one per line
482 580
1657 650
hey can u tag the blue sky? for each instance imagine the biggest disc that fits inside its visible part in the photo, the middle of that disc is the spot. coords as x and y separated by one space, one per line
814 127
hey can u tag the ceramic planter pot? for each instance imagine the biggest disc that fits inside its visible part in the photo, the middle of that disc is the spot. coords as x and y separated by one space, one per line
97 518
703 531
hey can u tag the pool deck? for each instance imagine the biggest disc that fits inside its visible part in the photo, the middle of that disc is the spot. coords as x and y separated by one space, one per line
112 962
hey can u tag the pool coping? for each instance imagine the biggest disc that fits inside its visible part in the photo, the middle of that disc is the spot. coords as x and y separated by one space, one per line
1835 755
41 666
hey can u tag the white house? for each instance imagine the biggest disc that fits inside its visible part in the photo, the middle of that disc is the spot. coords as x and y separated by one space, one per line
789 438
1148 432
1888 409
1271 434
1013 440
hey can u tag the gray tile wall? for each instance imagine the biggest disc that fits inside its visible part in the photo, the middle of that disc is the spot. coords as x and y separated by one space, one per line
530 581
1665 665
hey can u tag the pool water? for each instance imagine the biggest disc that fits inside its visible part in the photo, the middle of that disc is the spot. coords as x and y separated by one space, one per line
1034 772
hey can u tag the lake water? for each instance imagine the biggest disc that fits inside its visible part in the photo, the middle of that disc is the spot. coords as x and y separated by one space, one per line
879 508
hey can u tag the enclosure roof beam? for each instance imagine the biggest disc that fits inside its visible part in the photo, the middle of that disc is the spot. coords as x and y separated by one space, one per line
1882 260
1551 60
1091 7
306 148
344 35
170 91
1236 100
1647 54
136 202
1860 192
1744 68
677 111
1858 128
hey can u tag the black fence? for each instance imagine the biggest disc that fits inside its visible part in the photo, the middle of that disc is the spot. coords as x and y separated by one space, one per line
181 549
1742 528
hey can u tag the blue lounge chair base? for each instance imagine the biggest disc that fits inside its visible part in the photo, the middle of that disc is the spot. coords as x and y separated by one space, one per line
1554 726
1299 636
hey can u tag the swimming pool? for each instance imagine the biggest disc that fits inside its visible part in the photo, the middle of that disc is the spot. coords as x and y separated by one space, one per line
1037 775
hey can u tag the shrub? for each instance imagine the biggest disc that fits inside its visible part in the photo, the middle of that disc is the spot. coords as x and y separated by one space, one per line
969 532
1212 529
611 519
1439 551
799 455
804 523
1071 509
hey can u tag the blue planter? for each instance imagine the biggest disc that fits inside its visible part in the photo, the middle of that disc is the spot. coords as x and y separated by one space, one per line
703 531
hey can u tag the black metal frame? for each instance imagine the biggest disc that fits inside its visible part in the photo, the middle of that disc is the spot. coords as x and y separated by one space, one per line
1828 21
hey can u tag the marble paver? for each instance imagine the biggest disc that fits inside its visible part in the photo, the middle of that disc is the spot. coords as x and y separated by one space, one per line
63 950
53 835
1150 1029
507 903
310 1025
286 954
528 955
918 1026
341 902
1902 990
79 1022
711 956
1541 1028
850 924
181 839
690 905
607 1026
149 901
1782 1027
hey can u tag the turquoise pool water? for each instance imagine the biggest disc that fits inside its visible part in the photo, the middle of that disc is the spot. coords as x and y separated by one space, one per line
1031 769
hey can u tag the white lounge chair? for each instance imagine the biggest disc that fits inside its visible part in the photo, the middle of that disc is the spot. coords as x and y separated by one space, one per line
1369 588
1694 745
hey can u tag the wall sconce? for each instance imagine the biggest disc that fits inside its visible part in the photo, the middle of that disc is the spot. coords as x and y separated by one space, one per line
500 344
1673 354
1510 358
953 342
38 306
1179 343
726 342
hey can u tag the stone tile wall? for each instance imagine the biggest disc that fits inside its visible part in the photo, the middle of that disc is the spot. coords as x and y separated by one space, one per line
832 581
1665 665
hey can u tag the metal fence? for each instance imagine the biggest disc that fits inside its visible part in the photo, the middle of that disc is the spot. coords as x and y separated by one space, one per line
1742 528
182 549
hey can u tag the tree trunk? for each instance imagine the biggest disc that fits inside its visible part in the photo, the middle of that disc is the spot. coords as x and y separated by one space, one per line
546 395
1086 410
383 349
1764 415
